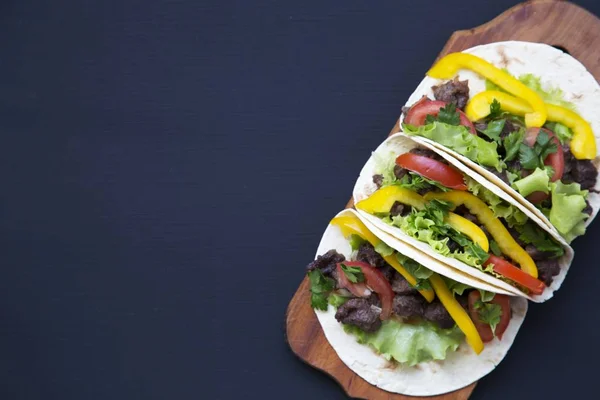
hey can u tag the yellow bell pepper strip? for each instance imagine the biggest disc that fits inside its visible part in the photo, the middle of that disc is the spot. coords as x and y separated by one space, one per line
383 199
471 230
458 314
350 224
583 143
506 242
448 66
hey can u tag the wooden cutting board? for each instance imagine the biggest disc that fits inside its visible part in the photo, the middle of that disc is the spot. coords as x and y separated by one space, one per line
544 21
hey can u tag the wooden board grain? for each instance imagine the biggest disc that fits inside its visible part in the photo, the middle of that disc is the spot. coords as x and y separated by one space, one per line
544 21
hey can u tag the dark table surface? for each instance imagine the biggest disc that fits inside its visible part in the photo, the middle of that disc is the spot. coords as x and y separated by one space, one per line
167 169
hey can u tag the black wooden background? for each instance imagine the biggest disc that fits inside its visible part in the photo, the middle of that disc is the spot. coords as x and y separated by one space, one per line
167 168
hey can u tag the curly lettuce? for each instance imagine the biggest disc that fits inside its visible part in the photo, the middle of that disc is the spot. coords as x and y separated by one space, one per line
410 344
459 139
566 214
501 209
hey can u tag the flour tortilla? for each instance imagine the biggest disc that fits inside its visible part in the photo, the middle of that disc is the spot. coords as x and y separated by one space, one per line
459 369
556 69
400 143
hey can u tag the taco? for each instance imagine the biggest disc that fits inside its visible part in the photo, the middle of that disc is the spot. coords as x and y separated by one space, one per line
415 328
523 115
429 200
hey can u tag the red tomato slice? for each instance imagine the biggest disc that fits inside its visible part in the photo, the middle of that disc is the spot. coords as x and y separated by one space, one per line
484 329
432 169
374 279
357 289
515 274
424 107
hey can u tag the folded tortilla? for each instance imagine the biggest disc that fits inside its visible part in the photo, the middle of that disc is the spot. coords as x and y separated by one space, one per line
400 143
556 69
460 368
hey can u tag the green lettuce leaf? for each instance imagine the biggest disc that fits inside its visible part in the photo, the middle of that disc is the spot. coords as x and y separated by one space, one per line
552 95
384 166
499 207
410 344
337 300
460 140
356 241
535 182
566 214
384 250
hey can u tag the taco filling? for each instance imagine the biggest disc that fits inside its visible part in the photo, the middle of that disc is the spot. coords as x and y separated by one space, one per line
528 135
404 311
431 201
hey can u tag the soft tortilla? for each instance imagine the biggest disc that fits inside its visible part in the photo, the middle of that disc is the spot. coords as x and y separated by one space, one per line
556 70
460 368
400 143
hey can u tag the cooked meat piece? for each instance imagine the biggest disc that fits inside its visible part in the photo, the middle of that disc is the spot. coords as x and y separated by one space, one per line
536 254
453 246
581 171
453 91
425 190
401 286
547 269
399 172
481 126
327 262
436 312
399 209
588 208
409 305
359 312
388 271
378 180
373 300
585 173
366 253
421 151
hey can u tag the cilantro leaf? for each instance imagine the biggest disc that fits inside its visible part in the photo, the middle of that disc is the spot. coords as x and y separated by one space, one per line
354 274
512 143
356 241
438 209
544 145
449 115
495 248
528 157
318 301
320 286
429 119
533 157
539 238
494 129
495 109
476 251
489 313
